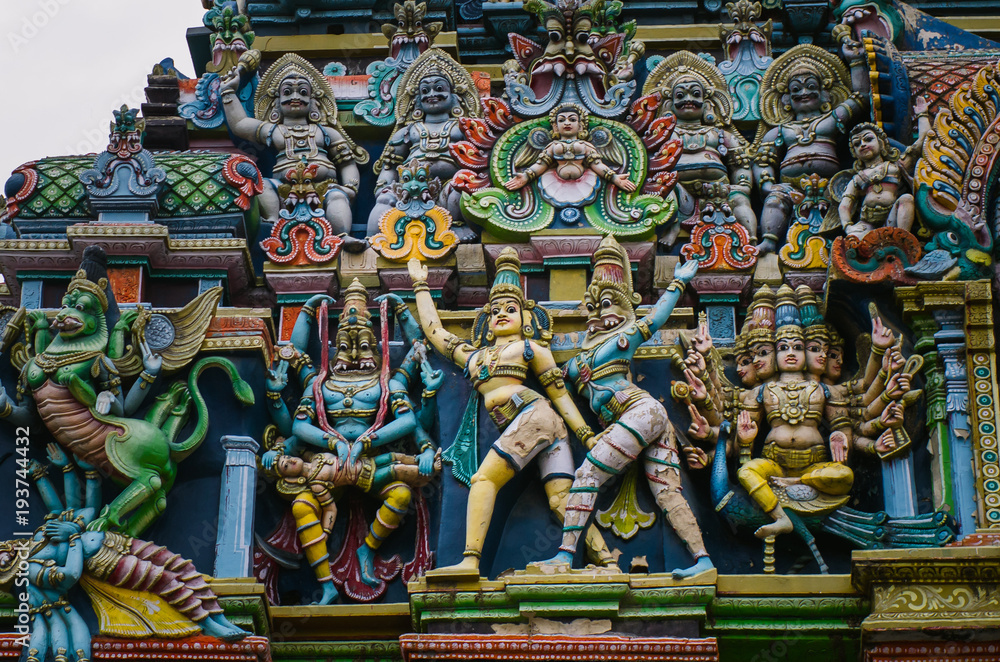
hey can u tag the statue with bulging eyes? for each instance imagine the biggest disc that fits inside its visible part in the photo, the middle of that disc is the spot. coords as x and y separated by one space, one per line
715 165
806 105
334 427
297 117
433 94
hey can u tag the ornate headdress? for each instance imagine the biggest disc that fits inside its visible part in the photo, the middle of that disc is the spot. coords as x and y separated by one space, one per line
535 320
325 110
355 306
685 64
613 271
812 319
759 324
836 340
804 58
787 316
432 62
82 283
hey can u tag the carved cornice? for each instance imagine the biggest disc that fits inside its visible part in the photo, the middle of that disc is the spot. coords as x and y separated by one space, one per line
152 241
554 647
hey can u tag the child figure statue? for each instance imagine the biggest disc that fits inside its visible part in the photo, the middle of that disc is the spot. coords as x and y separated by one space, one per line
881 176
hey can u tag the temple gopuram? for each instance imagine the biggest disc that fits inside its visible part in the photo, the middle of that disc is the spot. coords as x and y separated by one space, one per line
468 330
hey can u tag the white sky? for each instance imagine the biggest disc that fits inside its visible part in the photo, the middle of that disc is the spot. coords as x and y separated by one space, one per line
66 64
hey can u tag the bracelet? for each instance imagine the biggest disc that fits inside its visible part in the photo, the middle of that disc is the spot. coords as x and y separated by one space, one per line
609 175
91 475
67 468
421 286
7 409
676 285
146 377
473 552
530 175
878 351
583 432
331 443
884 397
73 538
307 309
427 445
772 237
228 91
273 395
878 426
427 395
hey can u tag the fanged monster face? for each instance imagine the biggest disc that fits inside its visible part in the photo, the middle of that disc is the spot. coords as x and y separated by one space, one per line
605 311
411 35
78 316
356 350
569 53
231 36
878 17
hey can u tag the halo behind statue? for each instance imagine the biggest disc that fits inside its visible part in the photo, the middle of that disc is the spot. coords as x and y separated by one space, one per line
433 61
266 99
834 78
685 64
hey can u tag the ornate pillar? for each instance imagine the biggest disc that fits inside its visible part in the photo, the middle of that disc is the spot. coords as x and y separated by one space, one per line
234 540
951 348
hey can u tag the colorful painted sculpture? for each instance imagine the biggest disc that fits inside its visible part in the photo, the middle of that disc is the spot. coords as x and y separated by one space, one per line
714 166
792 378
949 193
747 47
417 227
510 340
73 369
880 179
806 105
635 424
230 38
408 37
136 587
343 408
434 93
569 167
295 113
587 60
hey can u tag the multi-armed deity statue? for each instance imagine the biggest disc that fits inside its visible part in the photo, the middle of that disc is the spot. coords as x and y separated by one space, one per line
433 94
714 166
806 104
295 114
734 304
340 419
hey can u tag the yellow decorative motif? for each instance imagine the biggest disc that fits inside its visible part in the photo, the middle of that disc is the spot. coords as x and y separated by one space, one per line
803 241
135 614
402 237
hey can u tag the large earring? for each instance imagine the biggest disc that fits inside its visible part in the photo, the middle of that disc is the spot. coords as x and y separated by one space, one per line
418 114
314 115
457 109
490 337
274 116
825 107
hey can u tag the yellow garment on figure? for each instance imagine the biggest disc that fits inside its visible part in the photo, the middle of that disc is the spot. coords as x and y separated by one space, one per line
832 478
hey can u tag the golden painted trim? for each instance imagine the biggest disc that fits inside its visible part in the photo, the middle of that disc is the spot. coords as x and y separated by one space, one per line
775 585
